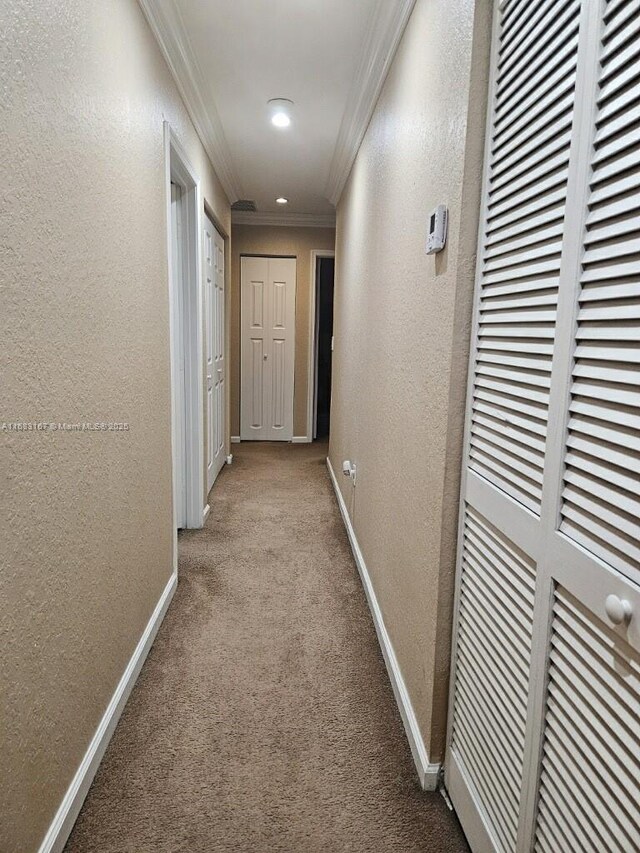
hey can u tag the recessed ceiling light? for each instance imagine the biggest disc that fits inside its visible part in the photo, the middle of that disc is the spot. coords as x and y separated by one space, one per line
280 109
282 200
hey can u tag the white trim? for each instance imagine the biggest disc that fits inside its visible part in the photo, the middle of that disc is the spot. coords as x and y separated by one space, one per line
172 320
235 439
205 513
300 439
386 26
165 21
230 459
312 362
427 772
465 802
291 220
178 168
62 824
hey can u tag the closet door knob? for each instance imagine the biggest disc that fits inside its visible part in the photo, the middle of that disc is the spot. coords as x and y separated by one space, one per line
618 610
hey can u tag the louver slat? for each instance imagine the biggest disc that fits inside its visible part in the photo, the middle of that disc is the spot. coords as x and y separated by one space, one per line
522 244
590 779
603 446
492 670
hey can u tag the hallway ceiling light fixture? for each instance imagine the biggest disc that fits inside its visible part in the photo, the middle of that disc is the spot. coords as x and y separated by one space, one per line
282 200
280 109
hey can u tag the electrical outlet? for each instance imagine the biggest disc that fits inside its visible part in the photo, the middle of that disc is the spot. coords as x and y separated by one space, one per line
349 470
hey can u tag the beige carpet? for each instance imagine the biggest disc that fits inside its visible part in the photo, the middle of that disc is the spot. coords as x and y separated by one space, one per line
263 719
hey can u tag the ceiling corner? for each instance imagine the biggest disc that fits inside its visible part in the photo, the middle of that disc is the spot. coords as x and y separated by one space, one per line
167 26
383 37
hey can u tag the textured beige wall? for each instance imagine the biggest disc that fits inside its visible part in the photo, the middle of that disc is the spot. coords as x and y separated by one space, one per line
86 518
402 330
277 240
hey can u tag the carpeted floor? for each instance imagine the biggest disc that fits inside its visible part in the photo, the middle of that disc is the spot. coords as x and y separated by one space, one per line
263 719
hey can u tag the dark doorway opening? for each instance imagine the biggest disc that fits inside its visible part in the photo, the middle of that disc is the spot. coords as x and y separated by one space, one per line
324 339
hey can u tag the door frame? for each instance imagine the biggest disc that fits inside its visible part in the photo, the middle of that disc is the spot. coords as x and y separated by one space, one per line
312 368
293 439
179 170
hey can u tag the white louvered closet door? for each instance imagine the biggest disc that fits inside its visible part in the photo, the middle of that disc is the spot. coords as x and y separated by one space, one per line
543 745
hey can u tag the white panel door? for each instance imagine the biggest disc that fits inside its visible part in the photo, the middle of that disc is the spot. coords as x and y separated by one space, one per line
219 360
213 251
267 320
543 744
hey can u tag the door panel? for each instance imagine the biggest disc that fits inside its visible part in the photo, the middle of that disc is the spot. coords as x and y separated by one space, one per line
253 318
601 505
267 362
544 728
213 250
220 382
257 383
495 626
519 275
209 296
256 309
279 381
590 775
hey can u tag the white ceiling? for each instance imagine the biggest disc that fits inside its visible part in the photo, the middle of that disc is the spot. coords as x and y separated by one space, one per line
329 57
304 50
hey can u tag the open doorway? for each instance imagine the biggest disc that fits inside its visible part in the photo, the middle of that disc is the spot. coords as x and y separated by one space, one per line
323 343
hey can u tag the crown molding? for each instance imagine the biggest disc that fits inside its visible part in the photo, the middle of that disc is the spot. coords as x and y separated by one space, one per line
295 220
385 30
165 21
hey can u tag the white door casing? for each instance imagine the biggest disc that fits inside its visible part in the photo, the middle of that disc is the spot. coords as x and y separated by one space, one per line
544 720
185 332
178 360
213 271
267 319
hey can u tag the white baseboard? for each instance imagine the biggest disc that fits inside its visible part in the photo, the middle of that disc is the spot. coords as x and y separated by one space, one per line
205 513
300 439
62 824
235 439
230 459
427 772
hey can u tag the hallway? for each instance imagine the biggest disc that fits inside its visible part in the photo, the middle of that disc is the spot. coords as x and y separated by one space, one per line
263 719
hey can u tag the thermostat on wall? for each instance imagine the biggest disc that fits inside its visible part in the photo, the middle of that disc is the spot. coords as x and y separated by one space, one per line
437 235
